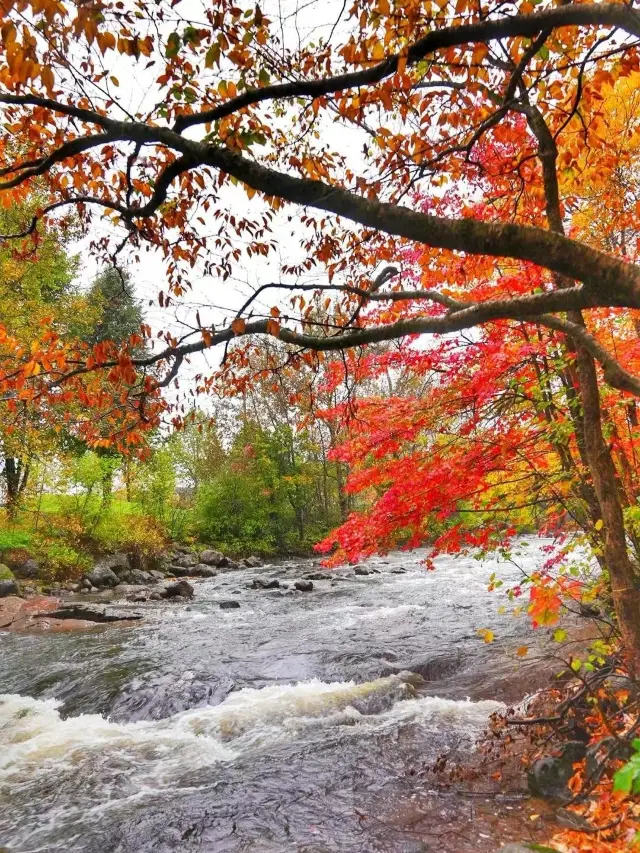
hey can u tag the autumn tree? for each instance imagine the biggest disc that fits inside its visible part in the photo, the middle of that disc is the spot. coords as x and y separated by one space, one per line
243 103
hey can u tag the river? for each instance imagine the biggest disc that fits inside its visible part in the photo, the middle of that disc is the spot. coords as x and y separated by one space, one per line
288 724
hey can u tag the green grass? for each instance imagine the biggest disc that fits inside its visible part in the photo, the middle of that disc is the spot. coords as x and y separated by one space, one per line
10 539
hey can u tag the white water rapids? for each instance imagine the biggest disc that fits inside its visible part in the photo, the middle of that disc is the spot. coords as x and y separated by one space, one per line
228 730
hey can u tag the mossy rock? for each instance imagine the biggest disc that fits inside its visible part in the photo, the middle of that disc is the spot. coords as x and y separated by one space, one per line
5 573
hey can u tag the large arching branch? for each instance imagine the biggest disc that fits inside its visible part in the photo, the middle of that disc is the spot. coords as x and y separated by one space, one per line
600 14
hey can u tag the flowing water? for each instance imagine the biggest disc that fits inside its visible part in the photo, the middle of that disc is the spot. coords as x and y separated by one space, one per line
294 723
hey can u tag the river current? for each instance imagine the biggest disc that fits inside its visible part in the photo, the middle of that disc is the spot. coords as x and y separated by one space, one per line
293 723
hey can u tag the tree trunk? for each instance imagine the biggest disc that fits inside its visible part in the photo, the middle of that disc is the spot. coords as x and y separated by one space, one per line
16 474
625 594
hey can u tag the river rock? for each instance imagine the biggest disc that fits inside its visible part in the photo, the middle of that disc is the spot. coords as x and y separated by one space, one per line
102 575
180 571
229 605
137 576
360 570
10 607
116 562
29 570
88 614
549 777
178 589
186 561
265 583
253 562
157 574
155 596
203 571
9 587
318 576
304 586
212 558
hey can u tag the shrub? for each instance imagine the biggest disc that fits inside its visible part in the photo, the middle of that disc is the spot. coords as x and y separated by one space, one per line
140 535
60 561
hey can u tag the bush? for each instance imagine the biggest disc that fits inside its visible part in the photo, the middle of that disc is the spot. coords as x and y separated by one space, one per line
60 561
140 535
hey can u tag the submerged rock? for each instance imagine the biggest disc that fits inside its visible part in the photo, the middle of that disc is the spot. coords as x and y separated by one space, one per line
87 614
229 605
319 576
360 570
304 586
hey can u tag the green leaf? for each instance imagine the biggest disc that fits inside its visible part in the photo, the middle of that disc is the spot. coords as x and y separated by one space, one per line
559 635
623 779
543 53
173 46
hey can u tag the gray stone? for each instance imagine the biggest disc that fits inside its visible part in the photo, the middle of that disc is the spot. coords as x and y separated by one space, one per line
187 561
265 583
137 576
212 558
9 588
229 605
178 589
253 562
94 590
101 575
29 570
549 777
115 562
359 570
203 571
319 576
304 586
158 575
155 596
179 571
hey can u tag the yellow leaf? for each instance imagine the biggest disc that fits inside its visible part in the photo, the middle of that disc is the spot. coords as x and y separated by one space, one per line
486 635
378 51
599 524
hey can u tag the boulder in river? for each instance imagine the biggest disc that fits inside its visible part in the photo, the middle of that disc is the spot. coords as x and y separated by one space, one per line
102 575
253 562
179 589
137 576
360 570
265 583
203 571
304 586
212 558
549 777
9 587
180 571
318 576
231 604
